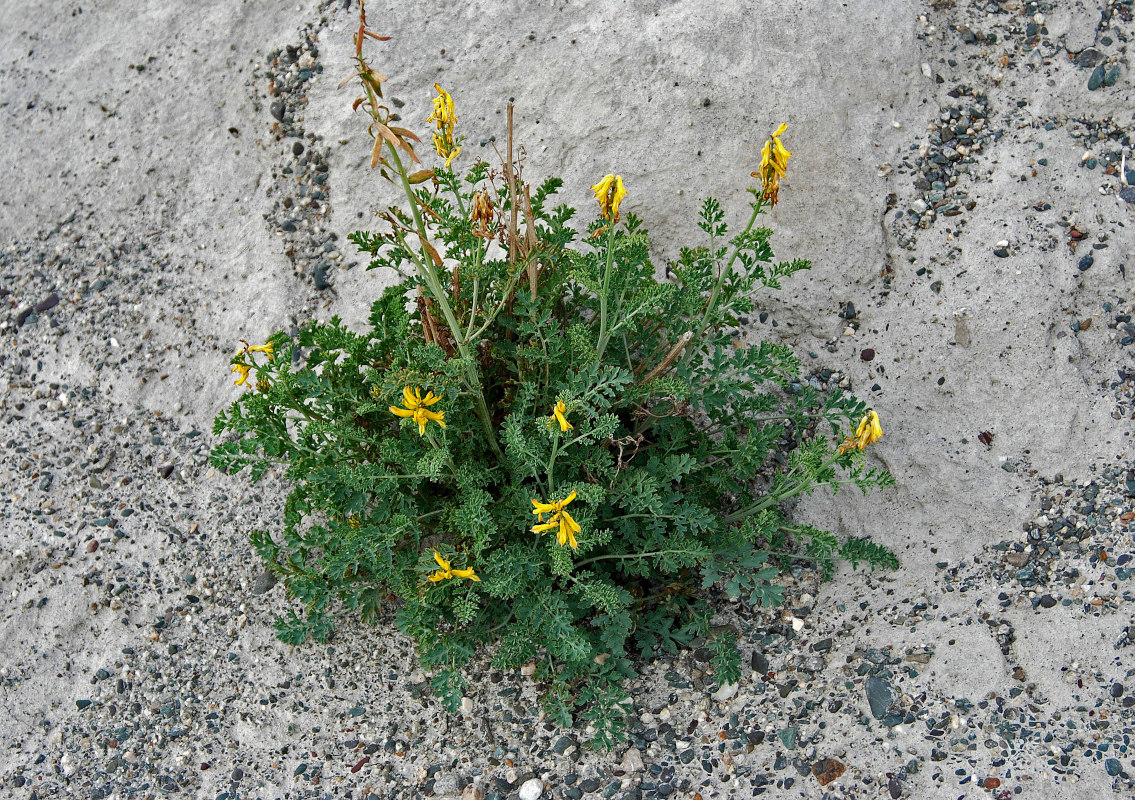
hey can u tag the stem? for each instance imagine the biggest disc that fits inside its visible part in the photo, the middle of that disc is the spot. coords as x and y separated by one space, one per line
473 306
629 556
429 275
552 462
448 458
785 493
703 323
604 322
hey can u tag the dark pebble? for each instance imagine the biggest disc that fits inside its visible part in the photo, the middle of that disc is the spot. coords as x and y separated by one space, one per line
880 695
867 355
319 276
1047 600
848 311
297 149
1117 690
51 301
277 110
1113 767
1112 76
1086 262
166 471
81 704
591 784
1096 79
1001 252
894 787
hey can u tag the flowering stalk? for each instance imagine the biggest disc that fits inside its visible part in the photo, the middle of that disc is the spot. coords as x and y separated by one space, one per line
429 275
604 321
711 304
868 432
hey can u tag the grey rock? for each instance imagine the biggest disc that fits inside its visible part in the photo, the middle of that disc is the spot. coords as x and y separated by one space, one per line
264 582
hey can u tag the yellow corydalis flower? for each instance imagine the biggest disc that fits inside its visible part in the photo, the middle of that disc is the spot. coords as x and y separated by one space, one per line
266 349
416 408
558 416
243 369
868 432
561 520
610 193
445 572
445 117
774 165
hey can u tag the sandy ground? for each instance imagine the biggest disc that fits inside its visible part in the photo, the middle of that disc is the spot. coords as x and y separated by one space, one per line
145 170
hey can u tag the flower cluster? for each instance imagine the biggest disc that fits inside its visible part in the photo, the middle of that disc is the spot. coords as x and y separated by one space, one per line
446 572
610 193
416 408
243 363
558 416
445 117
774 165
566 528
868 432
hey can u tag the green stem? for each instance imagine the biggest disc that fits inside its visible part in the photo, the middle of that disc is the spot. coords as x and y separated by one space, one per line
786 492
448 458
631 556
552 463
711 304
604 321
429 275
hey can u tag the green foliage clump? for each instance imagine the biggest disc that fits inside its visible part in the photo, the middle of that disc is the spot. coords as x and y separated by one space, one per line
420 450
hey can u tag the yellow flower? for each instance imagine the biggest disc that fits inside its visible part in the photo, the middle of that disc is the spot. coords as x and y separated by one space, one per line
445 112
774 165
243 370
558 416
266 349
445 117
445 572
610 193
416 408
868 432
354 522
560 519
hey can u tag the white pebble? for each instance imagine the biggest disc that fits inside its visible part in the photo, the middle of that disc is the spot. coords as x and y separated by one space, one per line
632 760
725 693
531 789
